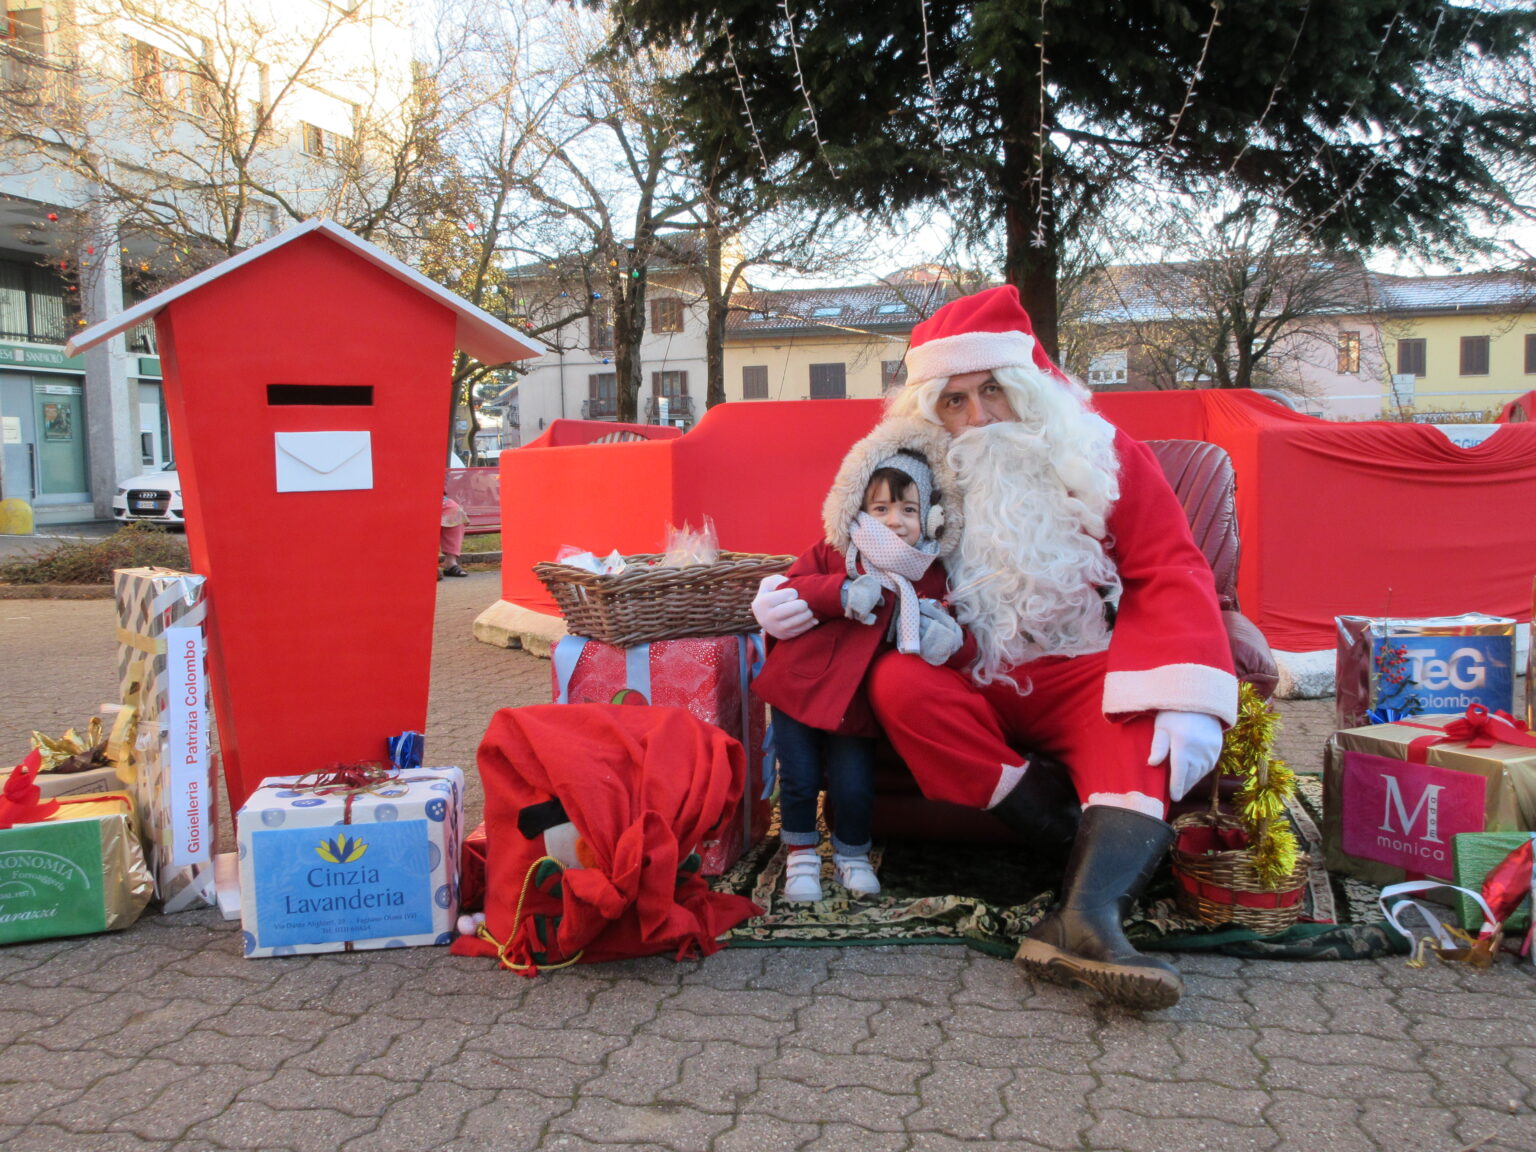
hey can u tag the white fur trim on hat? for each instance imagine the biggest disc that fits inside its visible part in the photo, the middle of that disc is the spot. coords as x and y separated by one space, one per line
969 352
891 435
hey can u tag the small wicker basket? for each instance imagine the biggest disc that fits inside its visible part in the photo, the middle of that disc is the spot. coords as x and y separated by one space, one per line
1217 881
647 603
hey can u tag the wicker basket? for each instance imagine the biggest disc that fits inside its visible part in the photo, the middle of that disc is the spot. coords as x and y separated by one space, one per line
642 604
1217 882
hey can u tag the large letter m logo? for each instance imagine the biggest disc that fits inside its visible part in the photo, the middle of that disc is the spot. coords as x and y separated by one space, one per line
1428 803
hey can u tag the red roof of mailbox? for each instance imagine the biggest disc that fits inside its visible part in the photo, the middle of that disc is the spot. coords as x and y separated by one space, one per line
478 333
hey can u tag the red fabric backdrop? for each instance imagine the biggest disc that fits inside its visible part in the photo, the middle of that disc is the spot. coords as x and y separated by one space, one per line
1335 518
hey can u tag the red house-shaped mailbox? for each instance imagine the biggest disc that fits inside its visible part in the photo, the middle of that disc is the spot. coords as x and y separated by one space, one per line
308 384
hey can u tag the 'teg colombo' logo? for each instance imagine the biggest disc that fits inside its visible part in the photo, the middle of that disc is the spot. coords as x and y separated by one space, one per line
1465 669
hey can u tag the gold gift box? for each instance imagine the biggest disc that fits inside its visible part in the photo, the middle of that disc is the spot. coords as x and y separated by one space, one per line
1508 771
79 872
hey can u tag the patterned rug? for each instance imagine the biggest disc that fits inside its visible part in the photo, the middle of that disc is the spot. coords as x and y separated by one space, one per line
971 894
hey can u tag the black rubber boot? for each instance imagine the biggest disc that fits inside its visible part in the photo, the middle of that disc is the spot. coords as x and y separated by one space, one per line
1042 810
1083 940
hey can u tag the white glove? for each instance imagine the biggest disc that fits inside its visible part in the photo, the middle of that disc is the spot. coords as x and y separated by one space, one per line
938 633
1190 742
780 611
861 596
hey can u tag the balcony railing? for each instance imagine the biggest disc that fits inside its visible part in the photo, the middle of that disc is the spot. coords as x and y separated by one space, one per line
678 407
599 409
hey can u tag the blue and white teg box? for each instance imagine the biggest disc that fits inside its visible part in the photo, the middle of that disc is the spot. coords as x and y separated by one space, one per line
327 871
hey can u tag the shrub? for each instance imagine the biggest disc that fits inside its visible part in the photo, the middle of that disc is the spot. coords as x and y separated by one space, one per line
91 561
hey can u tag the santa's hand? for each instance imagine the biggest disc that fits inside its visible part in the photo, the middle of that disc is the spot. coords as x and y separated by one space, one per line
938 633
861 596
780 611
1191 743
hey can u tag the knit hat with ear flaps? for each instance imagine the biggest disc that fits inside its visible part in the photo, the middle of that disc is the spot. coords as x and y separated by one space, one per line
916 448
976 333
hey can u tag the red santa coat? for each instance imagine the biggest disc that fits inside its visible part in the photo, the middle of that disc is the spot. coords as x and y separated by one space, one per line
1093 712
818 676
1169 649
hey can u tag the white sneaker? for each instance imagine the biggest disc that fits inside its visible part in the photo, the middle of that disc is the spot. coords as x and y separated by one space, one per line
802 876
855 874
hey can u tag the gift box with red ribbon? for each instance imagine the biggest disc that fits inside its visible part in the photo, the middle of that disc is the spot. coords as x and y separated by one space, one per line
68 867
710 676
350 858
1396 794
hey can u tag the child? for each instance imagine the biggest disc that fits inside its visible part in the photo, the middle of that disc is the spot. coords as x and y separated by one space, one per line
876 581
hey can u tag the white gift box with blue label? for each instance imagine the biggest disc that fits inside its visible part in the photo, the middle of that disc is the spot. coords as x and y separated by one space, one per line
328 866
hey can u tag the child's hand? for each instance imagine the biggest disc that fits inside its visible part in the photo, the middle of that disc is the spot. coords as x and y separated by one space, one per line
938 633
861 597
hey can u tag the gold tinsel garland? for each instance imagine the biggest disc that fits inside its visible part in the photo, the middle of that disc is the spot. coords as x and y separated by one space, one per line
1267 783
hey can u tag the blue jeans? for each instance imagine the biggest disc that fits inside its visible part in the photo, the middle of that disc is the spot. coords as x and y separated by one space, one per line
805 753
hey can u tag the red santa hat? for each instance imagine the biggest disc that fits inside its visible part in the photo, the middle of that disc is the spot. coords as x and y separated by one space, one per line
976 333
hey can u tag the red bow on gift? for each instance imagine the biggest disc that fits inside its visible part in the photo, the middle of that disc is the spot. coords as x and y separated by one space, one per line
1479 728
1508 883
21 801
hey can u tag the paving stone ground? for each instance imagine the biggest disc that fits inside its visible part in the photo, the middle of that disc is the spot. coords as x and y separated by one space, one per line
164 1037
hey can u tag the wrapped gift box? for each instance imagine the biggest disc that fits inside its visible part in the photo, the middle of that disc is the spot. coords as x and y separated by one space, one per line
79 872
162 676
472 871
1431 665
91 782
711 677
325 867
1474 855
1387 818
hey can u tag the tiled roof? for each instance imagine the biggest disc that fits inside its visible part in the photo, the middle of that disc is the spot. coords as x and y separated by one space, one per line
1147 293
892 307
1471 290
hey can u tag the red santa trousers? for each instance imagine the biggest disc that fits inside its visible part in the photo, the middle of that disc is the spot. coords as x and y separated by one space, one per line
959 739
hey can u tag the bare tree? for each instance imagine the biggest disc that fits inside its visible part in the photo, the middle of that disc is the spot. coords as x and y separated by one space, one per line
609 177
1243 303
204 127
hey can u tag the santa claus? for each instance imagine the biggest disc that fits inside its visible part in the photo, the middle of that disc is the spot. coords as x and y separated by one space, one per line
1101 644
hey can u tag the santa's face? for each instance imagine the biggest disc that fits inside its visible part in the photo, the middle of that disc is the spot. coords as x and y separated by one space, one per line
973 400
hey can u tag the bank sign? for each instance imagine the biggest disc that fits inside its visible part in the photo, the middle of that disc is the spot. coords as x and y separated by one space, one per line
1405 814
1444 673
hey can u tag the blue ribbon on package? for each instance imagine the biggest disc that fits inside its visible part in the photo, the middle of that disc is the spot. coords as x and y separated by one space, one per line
750 667
405 750
1386 715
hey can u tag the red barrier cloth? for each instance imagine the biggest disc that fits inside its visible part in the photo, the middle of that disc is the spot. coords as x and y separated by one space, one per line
1366 519
642 787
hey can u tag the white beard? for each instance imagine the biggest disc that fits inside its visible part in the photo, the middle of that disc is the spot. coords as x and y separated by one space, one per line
1028 574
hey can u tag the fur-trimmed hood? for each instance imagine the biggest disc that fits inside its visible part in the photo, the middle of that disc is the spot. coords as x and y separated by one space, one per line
889 437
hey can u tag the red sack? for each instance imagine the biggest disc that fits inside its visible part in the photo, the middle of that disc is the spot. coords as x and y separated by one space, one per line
641 786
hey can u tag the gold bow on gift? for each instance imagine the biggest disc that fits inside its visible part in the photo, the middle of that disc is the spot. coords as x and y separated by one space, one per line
71 752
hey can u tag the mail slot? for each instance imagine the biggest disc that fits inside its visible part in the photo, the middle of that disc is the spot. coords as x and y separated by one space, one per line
345 395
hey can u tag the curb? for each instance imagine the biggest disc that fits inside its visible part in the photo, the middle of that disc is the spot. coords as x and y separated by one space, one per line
55 591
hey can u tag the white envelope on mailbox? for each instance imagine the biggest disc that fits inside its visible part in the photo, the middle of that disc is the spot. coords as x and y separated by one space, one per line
324 461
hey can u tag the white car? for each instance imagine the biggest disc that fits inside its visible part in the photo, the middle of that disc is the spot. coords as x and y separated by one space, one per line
153 496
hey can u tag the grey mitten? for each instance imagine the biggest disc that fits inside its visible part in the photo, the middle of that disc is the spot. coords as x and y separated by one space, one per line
938 633
861 596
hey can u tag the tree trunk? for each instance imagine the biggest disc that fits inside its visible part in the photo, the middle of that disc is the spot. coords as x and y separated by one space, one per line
716 307
628 330
1029 255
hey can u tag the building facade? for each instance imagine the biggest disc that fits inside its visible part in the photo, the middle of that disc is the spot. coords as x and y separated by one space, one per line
119 108
577 380
813 344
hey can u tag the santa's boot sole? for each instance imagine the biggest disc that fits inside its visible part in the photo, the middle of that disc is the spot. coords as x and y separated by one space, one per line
1144 988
